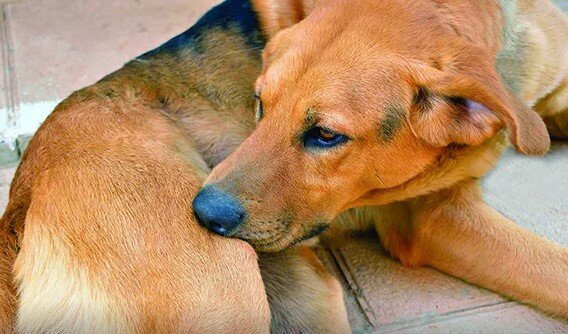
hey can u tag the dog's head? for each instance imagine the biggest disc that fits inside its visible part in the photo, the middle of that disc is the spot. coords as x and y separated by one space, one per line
354 97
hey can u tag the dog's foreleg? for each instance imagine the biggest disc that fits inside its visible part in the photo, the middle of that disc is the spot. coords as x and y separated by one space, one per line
303 296
456 232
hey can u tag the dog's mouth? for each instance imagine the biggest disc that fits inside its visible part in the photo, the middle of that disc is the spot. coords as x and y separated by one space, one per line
279 237
314 232
267 239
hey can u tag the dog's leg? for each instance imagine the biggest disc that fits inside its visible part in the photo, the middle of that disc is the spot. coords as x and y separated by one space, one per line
303 296
457 233
7 291
11 225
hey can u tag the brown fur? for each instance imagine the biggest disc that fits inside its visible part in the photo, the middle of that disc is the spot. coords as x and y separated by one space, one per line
451 67
303 299
100 216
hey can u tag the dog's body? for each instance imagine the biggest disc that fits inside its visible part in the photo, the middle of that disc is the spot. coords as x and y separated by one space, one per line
533 59
99 233
431 230
100 203
389 112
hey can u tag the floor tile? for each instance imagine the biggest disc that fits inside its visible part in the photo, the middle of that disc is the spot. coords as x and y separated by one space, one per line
502 319
3 78
6 175
533 191
562 4
393 295
61 45
4 190
8 153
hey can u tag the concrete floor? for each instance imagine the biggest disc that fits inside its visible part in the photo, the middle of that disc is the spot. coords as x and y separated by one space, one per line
53 47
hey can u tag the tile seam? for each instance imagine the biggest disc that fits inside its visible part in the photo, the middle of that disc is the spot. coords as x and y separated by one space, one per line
362 301
12 96
462 313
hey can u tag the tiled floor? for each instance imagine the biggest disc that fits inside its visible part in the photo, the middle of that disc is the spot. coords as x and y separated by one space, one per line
532 191
52 47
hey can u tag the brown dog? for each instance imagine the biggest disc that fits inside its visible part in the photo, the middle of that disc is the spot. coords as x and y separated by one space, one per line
99 235
397 108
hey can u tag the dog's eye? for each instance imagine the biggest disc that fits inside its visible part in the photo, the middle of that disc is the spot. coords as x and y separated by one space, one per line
259 108
318 137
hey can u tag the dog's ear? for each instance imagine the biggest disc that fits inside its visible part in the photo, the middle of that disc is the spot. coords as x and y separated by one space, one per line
277 15
465 102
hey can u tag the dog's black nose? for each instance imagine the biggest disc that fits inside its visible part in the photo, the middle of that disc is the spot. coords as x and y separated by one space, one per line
218 211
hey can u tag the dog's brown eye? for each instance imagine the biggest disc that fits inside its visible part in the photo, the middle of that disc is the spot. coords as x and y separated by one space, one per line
321 138
326 134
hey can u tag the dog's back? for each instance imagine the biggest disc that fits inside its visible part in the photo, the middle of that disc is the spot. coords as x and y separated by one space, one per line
534 56
99 222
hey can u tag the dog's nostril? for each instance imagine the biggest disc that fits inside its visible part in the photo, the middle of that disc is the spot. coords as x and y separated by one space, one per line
218 229
218 211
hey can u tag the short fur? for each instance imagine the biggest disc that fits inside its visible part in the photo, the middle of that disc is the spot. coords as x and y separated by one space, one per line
424 90
99 234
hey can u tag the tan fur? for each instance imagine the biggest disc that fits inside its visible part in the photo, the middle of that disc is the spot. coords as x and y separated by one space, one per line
100 215
100 207
74 276
7 291
424 90
303 298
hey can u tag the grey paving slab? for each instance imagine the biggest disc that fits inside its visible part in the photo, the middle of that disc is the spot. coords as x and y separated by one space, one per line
394 296
562 4
60 46
506 318
533 191
8 153
6 175
3 80
4 190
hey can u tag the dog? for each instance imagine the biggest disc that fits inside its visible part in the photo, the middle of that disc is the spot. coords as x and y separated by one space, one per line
384 115
99 235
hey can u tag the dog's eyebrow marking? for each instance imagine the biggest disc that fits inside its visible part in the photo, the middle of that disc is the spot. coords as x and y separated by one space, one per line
310 118
309 121
394 118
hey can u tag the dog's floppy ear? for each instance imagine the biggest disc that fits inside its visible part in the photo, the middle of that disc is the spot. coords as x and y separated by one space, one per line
277 15
466 103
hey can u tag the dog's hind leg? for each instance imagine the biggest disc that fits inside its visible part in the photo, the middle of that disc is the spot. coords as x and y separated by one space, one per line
110 243
455 232
7 291
11 225
303 296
